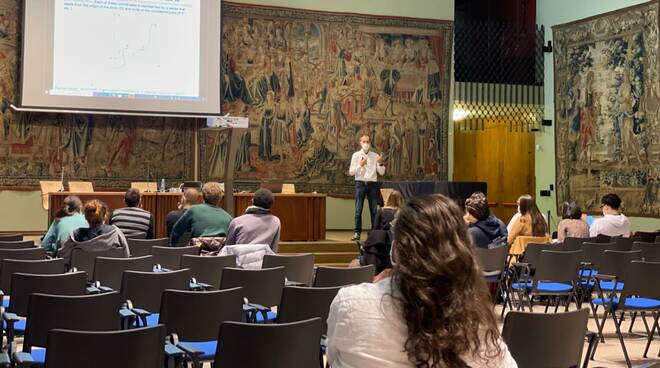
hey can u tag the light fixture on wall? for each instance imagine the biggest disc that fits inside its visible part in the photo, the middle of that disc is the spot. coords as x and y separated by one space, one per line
460 114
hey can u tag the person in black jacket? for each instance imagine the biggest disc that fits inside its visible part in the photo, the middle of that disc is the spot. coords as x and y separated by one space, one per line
484 228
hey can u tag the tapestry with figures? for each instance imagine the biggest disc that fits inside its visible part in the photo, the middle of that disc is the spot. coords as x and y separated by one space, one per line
311 83
608 109
110 151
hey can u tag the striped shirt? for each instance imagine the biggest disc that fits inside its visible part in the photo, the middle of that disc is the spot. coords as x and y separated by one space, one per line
134 222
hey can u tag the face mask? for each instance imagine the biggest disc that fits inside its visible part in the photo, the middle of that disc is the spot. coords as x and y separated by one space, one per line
391 256
365 147
518 208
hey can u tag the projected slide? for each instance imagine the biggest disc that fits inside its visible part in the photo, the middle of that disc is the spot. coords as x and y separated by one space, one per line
127 49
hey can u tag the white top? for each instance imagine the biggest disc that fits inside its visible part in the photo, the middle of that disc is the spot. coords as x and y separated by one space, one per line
610 225
366 331
368 172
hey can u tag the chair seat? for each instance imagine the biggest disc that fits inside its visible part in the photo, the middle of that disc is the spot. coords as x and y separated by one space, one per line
544 287
152 319
39 355
208 348
631 303
5 302
588 273
19 326
609 286
271 316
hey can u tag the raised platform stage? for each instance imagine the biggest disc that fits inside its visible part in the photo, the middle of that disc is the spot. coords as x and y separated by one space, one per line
337 250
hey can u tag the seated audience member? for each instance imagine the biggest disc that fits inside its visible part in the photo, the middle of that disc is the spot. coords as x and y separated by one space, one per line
531 221
207 220
98 237
484 228
190 197
572 225
385 215
517 215
433 310
257 225
613 222
132 220
67 220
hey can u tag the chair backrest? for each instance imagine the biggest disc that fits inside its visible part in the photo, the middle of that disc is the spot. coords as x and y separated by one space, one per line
650 251
557 266
145 289
640 278
543 340
84 260
493 259
18 244
170 257
259 286
197 315
342 276
647 237
593 252
600 238
520 244
142 247
623 243
11 237
109 271
301 303
571 244
23 285
39 267
295 345
533 252
27 254
299 268
84 312
135 348
207 269
615 262
657 239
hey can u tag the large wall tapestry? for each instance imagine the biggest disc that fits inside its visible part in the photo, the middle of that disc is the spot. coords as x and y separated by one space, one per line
608 109
109 150
312 83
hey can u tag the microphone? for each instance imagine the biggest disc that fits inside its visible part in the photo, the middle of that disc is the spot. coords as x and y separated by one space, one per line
62 180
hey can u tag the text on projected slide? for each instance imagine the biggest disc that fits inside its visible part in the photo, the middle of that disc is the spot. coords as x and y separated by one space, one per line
127 49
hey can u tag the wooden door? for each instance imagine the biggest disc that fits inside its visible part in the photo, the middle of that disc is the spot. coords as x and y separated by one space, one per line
499 153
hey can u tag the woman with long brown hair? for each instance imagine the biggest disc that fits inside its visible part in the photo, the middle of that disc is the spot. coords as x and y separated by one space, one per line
531 221
434 311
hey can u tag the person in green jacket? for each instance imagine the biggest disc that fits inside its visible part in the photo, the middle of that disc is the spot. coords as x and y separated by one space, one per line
67 220
204 220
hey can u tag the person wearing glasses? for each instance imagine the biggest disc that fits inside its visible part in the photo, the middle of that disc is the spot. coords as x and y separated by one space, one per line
613 222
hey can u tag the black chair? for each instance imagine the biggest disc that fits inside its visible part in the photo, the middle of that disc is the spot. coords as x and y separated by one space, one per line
297 268
641 294
25 254
571 244
646 237
650 251
538 340
343 276
623 243
144 290
170 257
262 289
136 348
108 271
19 244
195 317
302 303
295 345
83 260
657 239
208 269
493 263
23 285
142 247
39 267
600 238
556 276
533 252
592 253
84 313
11 237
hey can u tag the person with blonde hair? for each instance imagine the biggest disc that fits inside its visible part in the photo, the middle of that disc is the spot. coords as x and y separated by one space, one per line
207 220
68 219
385 214
189 198
98 237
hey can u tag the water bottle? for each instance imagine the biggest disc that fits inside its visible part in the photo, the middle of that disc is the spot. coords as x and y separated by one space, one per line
162 185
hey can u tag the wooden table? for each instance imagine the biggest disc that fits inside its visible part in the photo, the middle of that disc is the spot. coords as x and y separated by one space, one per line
159 204
302 214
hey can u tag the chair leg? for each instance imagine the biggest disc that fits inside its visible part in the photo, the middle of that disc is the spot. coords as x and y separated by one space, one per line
617 325
652 333
591 349
547 304
632 322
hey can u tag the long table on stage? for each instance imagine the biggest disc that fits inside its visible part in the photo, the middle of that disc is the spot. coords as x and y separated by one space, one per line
159 204
302 214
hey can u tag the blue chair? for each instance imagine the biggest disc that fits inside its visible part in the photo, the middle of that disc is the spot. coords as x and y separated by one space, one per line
193 318
641 294
262 290
556 276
